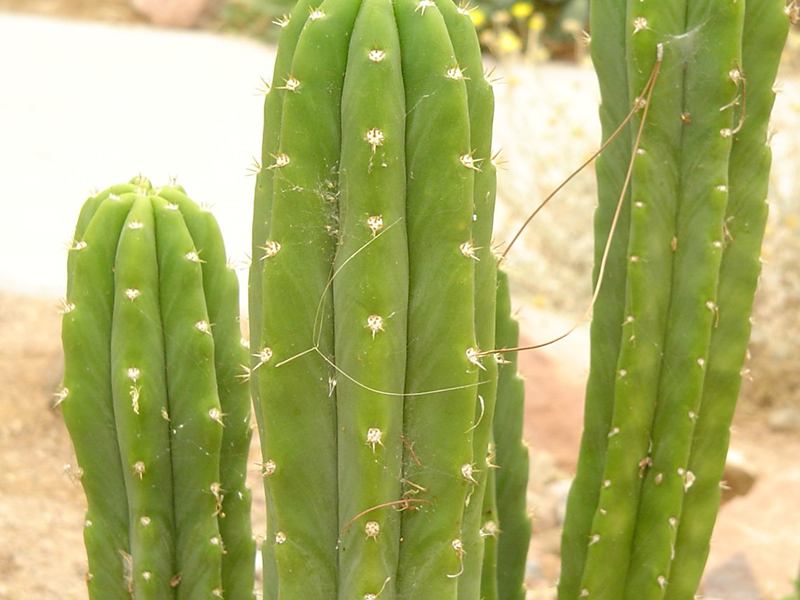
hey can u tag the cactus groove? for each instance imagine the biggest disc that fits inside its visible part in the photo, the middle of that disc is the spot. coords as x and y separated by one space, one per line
159 422
649 461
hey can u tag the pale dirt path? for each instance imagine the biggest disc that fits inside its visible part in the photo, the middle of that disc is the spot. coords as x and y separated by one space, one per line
88 105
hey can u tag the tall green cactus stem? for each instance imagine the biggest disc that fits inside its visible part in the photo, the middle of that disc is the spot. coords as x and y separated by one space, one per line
262 211
480 100
512 519
140 352
711 81
680 190
609 29
367 359
765 30
673 267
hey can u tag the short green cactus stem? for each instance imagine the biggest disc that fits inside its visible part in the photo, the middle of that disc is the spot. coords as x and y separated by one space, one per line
657 414
158 418
373 295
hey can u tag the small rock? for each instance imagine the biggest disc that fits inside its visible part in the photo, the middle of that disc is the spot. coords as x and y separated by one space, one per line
733 580
785 418
560 491
739 476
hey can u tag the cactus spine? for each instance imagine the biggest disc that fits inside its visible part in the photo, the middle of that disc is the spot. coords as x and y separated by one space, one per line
684 330
163 466
373 290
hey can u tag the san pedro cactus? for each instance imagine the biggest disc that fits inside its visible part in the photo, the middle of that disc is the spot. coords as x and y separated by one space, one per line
671 325
372 297
158 418
512 457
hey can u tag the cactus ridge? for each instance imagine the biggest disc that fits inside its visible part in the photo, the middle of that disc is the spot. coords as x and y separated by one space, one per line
262 211
480 104
511 478
139 324
371 299
608 48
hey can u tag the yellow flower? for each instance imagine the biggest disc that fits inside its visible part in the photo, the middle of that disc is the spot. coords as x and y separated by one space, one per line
522 10
537 22
508 42
478 17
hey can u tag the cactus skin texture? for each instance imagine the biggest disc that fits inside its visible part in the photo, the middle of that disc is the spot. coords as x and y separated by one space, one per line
765 31
159 422
373 290
609 29
512 458
685 327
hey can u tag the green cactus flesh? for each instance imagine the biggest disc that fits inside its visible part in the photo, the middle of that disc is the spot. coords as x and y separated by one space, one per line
765 31
261 214
158 420
511 477
609 29
373 291
648 448
490 532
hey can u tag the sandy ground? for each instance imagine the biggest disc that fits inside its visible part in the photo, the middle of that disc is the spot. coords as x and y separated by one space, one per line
41 503
88 105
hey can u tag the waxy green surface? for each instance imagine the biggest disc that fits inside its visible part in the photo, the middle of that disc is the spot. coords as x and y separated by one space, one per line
765 30
371 307
672 361
511 478
608 49
140 352
373 249
262 212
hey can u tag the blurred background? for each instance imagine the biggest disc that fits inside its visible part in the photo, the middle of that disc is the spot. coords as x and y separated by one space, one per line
93 92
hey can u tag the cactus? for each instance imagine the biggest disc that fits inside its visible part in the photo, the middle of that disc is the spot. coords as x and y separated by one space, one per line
372 292
512 457
151 399
665 370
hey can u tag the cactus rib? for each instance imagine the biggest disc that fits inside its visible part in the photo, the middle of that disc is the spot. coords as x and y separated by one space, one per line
370 303
512 457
